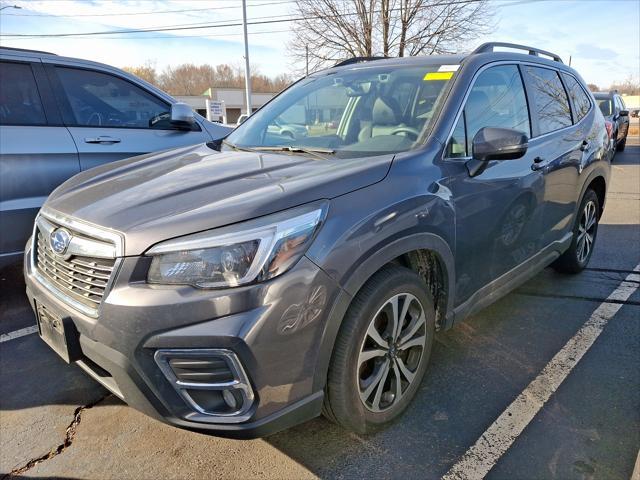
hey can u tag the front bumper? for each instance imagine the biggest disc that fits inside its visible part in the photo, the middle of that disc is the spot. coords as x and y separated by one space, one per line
274 329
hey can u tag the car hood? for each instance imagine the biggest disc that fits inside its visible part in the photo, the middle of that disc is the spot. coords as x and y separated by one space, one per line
163 195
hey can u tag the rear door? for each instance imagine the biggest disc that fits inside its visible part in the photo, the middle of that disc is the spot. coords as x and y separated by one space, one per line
111 118
498 210
37 152
564 147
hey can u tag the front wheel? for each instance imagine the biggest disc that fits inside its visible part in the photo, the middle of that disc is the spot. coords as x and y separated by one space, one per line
576 258
382 351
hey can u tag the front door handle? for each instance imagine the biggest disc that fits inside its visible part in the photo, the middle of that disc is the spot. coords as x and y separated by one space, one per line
101 139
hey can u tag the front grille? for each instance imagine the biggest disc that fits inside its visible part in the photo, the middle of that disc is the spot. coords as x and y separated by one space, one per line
83 279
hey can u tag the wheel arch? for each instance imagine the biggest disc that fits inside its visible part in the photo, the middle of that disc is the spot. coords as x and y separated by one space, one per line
425 253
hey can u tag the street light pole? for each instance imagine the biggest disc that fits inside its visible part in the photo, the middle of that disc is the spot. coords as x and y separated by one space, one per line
247 72
17 7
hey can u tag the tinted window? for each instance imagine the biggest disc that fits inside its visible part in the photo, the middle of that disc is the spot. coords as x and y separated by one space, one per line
580 100
98 99
550 99
497 99
19 98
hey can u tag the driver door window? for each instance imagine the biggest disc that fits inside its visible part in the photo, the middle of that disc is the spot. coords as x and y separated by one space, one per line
497 99
101 100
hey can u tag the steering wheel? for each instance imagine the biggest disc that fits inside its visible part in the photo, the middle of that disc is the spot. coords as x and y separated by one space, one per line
95 117
409 130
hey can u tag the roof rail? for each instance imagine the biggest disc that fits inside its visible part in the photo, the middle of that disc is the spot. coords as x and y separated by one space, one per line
489 47
349 61
15 49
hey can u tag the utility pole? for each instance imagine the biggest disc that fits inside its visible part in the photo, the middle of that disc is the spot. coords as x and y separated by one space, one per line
306 52
247 72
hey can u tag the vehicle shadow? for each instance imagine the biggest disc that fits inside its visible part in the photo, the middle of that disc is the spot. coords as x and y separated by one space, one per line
630 156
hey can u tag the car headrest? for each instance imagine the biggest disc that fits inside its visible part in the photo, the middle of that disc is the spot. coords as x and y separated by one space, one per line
386 111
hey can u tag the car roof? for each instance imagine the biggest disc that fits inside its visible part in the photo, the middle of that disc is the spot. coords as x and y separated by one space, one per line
603 95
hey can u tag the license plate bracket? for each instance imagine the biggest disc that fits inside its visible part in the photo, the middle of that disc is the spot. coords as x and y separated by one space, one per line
59 333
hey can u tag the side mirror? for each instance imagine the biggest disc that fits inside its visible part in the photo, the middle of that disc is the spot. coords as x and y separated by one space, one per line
182 116
492 143
624 113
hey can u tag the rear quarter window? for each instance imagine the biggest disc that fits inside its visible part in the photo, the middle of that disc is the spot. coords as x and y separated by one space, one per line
579 98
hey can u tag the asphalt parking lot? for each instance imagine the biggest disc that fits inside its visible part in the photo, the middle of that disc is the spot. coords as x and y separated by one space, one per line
57 422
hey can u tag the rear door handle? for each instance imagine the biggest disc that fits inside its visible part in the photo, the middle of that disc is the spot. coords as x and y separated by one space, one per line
105 140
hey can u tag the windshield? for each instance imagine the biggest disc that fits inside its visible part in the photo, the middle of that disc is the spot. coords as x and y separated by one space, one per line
360 112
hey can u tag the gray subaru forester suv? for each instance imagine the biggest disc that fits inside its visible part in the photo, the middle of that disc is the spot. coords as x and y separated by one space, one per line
244 286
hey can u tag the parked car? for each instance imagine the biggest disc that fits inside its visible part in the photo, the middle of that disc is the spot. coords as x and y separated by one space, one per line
60 116
290 131
242 291
613 108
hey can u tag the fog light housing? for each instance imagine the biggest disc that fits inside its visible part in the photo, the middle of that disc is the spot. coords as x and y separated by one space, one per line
212 382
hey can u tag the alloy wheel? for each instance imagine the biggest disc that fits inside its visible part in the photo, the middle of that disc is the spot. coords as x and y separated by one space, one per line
586 231
391 352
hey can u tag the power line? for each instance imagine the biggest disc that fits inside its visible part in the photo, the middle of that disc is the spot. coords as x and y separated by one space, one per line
175 37
275 2
235 23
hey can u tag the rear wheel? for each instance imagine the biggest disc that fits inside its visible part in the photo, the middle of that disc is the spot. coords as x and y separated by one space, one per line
382 351
621 144
576 258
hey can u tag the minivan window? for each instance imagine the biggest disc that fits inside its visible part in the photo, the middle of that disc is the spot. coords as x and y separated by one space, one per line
102 100
579 98
355 112
497 99
550 99
20 102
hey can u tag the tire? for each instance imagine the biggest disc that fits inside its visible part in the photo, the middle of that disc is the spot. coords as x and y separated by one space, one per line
351 375
575 259
620 145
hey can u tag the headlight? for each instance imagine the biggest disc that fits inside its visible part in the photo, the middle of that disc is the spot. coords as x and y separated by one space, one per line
249 252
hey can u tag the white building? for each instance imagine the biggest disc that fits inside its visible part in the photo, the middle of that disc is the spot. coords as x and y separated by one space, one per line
231 102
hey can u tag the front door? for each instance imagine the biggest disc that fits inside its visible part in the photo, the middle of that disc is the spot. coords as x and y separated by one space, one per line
111 118
498 208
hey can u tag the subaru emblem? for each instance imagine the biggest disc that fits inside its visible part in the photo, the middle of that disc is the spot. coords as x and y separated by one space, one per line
59 240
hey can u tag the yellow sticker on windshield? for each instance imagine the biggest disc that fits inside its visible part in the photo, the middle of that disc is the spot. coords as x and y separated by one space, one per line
438 76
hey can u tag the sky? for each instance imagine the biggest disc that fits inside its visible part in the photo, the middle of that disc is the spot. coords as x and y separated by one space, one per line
601 37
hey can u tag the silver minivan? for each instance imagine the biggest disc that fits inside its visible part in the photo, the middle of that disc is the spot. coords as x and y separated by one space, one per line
60 116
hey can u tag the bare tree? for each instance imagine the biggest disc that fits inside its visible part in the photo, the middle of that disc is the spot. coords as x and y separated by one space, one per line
189 79
337 29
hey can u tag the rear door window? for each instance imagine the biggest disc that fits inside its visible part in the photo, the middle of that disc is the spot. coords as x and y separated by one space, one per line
101 100
20 102
579 98
551 105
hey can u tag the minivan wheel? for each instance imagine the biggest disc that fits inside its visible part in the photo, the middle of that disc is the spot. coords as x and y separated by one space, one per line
576 258
381 352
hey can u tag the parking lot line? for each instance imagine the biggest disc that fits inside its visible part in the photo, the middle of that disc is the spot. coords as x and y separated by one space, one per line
496 440
5 337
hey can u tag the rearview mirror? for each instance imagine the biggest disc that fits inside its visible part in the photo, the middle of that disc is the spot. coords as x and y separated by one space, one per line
182 116
492 143
624 113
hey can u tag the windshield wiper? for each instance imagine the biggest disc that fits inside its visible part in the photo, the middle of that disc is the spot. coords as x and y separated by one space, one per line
317 151
236 147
